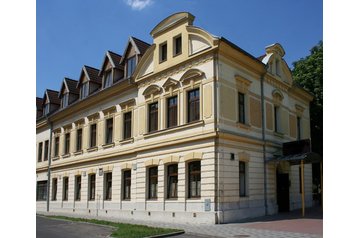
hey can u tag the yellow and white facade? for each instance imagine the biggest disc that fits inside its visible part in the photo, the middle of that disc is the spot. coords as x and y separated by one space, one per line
224 138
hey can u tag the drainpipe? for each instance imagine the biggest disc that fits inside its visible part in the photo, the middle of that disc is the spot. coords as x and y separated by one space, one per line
216 79
264 136
48 169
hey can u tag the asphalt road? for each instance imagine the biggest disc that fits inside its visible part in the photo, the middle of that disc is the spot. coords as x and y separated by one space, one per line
52 228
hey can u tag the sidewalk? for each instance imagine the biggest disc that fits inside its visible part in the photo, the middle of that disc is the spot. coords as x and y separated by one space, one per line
285 225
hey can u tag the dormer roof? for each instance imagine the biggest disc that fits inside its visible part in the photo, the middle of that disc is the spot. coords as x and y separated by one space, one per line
140 47
39 103
70 85
113 58
51 96
92 74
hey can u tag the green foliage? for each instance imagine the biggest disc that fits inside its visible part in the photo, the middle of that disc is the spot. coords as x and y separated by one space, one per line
308 73
124 230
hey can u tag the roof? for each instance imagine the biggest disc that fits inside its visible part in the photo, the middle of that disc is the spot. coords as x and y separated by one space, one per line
142 46
72 85
92 74
116 58
52 96
295 159
39 102
261 57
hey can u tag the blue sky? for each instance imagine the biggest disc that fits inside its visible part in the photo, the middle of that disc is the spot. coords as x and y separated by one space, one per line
73 33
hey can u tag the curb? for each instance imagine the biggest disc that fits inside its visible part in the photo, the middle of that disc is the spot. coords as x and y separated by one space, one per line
166 235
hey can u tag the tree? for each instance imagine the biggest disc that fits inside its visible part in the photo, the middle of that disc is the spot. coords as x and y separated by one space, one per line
308 73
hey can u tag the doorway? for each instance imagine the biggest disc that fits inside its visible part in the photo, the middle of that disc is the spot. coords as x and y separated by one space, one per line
283 192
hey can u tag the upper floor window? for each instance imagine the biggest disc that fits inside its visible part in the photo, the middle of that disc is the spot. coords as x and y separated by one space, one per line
67 143
172 181
172 111
109 130
108 80
93 135
46 151
242 108
194 179
64 101
153 117
153 182
65 189
193 105
84 90
131 62
127 185
163 52
78 188
127 132
277 119
177 45
79 140
57 145
39 158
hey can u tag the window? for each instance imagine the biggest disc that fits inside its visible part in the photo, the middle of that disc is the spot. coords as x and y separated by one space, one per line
57 145
54 189
108 186
193 105
79 140
64 101
242 108
276 119
39 158
67 143
194 179
130 66
163 52
153 116
298 128
84 90
127 185
78 188
109 130
177 45
153 182
47 109
92 187
172 110
172 181
300 177
107 79
127 133
65 189
93 140
46 151
242 179
41 191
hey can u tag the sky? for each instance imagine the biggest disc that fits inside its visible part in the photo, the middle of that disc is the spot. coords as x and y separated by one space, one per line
73 33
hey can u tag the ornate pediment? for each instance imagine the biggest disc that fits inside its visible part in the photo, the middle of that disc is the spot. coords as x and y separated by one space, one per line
170 83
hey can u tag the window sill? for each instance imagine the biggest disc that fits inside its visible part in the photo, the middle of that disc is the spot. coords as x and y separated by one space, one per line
55 158
94 148
171 199
162 61
79 152
126 141
194 198
243 125
126 200
152 199
65 155
109 145
175 128
278 134
177 54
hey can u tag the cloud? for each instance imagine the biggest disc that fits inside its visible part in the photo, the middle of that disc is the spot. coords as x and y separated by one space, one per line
138 4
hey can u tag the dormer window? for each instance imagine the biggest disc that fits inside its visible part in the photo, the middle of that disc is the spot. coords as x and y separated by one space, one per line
130 66
64 101
163 52
84 90
108 80
47 109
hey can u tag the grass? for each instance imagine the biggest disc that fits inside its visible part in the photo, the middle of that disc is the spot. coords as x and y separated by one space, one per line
124 230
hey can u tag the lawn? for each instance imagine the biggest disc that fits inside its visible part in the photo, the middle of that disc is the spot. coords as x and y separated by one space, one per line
124 230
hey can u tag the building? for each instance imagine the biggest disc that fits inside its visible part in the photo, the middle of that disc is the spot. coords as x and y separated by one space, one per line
178 131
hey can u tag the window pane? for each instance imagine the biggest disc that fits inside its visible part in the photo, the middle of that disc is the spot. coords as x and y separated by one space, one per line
172 111
242 179
108 186
193 105
127 125
67 143
241 108
40 152
130 66
127 184
163 52
41 191
109 130
93 135
194 179
57 141
65 189
172 181
92 185
79 140
153 182
78 188
153 117
177 45
46 151
54 189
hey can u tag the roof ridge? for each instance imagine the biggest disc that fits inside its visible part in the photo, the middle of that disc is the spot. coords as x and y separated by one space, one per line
140 40
71 79
86 66
51 90
114 53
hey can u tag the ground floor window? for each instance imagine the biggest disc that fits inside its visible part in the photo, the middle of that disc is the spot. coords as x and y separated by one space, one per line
108 186
65 189
41 193
92 187
242 178
194 179
78 188
153 182
127 185
54 189
172 181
